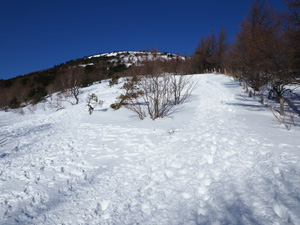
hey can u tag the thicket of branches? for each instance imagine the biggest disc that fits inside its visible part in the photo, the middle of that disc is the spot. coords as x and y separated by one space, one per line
209 55
266 52
155 95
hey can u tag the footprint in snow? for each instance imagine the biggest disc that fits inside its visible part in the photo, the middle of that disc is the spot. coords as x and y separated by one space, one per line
202 162
104 204
268 145
284 145
216 173
202 216
202 190
176 165
281 211
201 211
231 143
184 140
210 159
276 170
146 209
183 172
213 149
200 175
207 182
169 174
186 195
223 139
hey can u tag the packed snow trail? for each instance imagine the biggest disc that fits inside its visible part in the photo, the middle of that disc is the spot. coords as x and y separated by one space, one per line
220 159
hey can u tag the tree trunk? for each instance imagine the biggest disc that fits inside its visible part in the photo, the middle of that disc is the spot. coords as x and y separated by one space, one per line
262 99
247 90
281 101
250 94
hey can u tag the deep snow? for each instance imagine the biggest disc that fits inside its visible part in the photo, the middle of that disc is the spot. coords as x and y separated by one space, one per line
219 159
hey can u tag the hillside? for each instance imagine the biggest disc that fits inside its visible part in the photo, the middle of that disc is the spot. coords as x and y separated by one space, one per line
221 158
83 72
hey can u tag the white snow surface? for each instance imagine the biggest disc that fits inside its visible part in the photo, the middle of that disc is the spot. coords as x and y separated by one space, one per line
219 159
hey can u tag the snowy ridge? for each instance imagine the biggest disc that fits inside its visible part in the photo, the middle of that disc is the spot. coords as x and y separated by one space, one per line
220 159
130 57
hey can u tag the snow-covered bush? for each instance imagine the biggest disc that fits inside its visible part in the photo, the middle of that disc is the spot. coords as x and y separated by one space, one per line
93 102
130 97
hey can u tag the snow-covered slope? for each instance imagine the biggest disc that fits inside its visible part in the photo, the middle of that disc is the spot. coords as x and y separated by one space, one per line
220 159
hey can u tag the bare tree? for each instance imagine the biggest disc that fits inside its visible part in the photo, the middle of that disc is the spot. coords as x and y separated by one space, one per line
71 85
256 53
210 53
288 72
56 102
266 51
221 50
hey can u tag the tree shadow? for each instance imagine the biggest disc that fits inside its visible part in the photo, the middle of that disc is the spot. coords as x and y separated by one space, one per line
249 103
101 110
223 211
252 107
293 106
282 206
232 85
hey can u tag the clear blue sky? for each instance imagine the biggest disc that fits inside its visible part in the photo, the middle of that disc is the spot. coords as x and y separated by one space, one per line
38 34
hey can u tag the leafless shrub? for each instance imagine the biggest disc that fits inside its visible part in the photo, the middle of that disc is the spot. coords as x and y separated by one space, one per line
136 107
44 106
287 119
31 108
56 102
19 111
155 94
182 88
